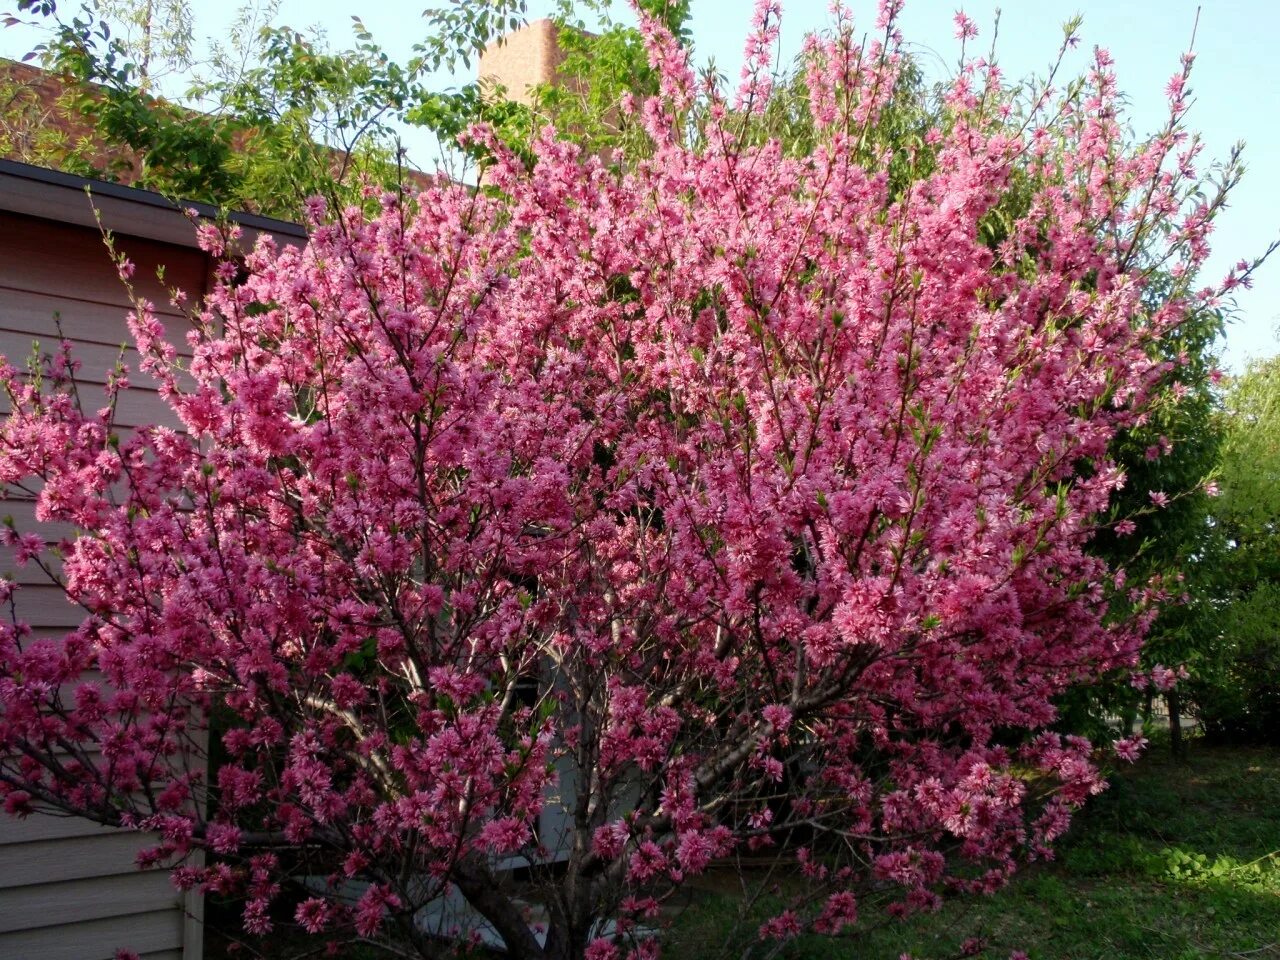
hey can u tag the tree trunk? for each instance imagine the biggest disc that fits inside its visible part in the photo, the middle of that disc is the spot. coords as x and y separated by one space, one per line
1129 719
1174 700
481 890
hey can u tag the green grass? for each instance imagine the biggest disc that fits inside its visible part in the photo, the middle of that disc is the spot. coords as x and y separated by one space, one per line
1176 861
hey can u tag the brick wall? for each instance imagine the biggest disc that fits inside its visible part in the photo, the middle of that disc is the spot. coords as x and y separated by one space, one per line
40 123
521 60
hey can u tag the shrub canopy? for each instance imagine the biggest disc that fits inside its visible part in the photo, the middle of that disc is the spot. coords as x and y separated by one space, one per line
730 502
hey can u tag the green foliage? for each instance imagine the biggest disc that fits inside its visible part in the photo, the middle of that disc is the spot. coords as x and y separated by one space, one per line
1175 452
272 117
173 150
1239 698
25 131
1250 504
317 119
603 61
157 34
450 113
457 33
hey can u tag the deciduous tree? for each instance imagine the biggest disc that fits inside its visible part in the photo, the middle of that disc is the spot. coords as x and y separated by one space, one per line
729 502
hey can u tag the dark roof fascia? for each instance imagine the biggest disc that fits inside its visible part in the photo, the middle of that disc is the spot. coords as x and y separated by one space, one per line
54 195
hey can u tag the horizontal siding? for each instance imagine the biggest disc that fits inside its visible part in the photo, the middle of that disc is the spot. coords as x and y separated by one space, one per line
29 574
47 606
69 888
43 826
91 898
39 256
68 858
49 633
155 931
97 361
30 317
23 513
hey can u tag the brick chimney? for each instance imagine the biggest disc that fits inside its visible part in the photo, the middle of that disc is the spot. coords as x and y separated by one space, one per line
521 60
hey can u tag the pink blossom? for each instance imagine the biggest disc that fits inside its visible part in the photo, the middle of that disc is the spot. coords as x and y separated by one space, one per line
777 716
371 908
782 927
840 911
966 29
610 840
17 803
313 914
223 837
1130 748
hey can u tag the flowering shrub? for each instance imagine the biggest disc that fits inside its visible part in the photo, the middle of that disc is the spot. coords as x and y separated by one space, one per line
730 502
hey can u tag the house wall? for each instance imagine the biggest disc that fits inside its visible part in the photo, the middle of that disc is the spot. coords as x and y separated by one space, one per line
69 889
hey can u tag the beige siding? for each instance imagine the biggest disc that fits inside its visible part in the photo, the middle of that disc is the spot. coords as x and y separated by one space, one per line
72 901
65 858
152 932
69 889
42 827
46 606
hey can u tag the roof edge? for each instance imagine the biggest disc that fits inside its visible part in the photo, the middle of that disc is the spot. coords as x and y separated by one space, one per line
54 195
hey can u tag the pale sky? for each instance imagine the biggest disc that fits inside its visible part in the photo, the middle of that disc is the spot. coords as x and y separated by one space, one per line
1236 82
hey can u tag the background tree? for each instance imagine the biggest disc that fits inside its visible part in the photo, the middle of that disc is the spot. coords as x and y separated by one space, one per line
320 120
1174 454
1238 697
156 35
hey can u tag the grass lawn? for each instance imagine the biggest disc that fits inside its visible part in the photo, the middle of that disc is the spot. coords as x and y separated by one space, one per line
1175 861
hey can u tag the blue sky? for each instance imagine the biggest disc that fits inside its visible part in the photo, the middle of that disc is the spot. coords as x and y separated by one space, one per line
1236 82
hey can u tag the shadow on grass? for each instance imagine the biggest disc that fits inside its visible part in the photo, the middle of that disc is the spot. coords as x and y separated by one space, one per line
1178 860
